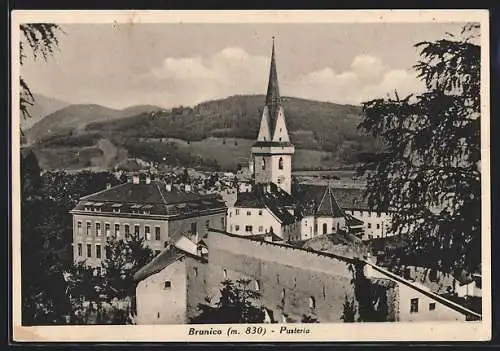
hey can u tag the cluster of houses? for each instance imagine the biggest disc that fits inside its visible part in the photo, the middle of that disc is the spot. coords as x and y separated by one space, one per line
250 229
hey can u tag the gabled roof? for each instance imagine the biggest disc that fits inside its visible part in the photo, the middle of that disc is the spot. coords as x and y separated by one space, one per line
168 256
318 200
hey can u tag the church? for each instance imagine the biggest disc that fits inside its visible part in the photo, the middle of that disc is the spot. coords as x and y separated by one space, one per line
274 208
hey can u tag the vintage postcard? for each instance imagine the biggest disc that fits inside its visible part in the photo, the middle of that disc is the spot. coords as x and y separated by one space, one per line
250 176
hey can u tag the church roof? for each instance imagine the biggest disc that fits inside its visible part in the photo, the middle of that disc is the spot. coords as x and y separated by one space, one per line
318 200
268 196
273 98
328 206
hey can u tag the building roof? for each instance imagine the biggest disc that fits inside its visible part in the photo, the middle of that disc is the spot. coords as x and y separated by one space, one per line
168 256
347 198
271 197
273 98
318 200
153 198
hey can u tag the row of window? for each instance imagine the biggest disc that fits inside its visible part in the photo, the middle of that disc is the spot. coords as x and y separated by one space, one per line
98 250
248 228
280 162
414 306
117 230
249 212
117 210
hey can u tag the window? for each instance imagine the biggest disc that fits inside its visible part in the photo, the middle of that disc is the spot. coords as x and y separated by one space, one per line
261 228
98 251
263 163
236 227
194 228
98 229
117 230
280 163
79 250
230 228
315 228
312 302
89 250
282 294
369 214
237 212
136 230
378 226
257 285
79 228
207 223
116 210
89 228
147 232
195 270
324 228
260 212
167 284
223 222
324 292
413 305
432 306
248 228
127 230
378 214
369 225
224 273
157 233
107 229
249 213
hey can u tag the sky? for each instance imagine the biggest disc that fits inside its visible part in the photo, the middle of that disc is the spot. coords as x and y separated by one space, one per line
121 65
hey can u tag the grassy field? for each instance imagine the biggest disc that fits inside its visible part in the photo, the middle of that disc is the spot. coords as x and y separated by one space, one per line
229 152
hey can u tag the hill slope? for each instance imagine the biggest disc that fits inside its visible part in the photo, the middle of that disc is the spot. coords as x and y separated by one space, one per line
42 107
312 124
75 117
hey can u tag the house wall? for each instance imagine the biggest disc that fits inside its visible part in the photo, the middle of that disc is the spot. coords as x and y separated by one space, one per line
159 305
311 227
375 225
260 223
169 230
406 293
298 274
93 239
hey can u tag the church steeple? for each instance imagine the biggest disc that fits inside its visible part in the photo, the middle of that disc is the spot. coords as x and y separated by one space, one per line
272 153
273 99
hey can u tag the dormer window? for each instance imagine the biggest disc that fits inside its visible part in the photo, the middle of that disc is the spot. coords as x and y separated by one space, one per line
135 209
116 208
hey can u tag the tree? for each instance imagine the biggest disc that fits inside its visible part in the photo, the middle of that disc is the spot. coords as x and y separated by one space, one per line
237 304
41 40
123 259
428 174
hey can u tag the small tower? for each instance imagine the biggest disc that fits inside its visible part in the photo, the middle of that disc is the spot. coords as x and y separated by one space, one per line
272 153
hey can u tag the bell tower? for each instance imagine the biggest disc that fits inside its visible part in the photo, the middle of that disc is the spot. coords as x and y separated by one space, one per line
272 153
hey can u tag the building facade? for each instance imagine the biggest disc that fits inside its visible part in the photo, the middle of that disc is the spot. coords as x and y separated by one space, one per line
293 283
149 209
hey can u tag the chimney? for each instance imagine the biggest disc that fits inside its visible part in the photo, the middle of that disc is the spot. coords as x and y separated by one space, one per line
187 188
135 179
168 186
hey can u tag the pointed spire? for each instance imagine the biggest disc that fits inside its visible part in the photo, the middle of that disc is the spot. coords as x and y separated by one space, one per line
273 99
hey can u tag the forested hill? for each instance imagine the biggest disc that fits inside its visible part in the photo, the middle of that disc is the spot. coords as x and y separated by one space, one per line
312 124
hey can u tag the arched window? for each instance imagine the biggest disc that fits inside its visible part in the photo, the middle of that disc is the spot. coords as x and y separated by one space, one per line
257 285
324 228
312 302
280 163
224 272
263 164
